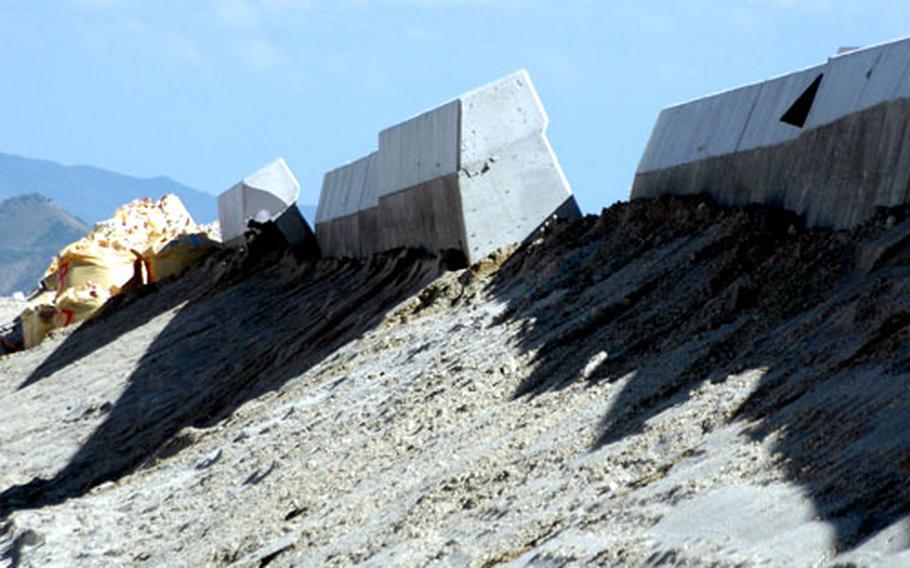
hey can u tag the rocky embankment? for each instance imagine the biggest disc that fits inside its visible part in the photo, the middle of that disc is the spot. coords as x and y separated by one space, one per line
668 384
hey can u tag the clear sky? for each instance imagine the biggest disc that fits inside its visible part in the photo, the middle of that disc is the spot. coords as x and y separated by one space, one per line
206 91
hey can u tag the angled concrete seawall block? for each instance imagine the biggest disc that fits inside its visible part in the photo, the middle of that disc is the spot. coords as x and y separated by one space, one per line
829 142
473 175
262 196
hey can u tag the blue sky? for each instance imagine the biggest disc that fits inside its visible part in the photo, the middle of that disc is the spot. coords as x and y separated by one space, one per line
206 91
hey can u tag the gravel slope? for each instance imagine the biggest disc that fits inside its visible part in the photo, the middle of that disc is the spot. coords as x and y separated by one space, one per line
668 384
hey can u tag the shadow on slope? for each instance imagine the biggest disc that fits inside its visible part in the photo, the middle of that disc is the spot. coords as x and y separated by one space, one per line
674 292
243 331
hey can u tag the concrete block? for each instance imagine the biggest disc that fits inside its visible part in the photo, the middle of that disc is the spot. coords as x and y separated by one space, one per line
835 175
474 174
848 154
263 195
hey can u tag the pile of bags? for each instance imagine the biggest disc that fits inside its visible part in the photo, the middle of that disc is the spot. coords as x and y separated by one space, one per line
145 241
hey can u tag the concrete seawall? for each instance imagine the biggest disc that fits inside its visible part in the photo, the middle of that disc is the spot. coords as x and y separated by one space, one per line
828 142
472 175
266 193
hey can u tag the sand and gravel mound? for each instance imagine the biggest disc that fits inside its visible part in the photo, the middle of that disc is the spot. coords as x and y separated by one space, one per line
668 383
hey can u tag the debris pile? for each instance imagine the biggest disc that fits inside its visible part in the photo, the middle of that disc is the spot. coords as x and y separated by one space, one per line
145 241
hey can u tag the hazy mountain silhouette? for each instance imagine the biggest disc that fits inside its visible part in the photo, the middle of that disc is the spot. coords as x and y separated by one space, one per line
92 194
32 230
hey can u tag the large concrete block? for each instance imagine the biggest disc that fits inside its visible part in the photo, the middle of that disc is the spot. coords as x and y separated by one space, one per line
263 195
845 151
474 174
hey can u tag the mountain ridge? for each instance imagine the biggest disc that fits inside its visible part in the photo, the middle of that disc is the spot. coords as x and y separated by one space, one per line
92 193
32 230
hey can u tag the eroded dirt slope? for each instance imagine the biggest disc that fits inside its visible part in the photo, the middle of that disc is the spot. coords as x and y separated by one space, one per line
669 383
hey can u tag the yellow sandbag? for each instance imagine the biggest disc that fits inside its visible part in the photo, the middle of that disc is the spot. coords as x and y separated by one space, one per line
37 322
110 258
176 256
86 262
78 304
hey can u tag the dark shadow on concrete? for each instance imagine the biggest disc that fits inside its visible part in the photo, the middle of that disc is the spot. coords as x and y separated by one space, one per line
246 328
671 293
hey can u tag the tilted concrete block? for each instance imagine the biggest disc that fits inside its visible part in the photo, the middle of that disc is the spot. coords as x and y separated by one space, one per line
262 196
829 142
472 175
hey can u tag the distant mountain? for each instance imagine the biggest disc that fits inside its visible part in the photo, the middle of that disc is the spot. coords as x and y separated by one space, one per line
32 230
90 193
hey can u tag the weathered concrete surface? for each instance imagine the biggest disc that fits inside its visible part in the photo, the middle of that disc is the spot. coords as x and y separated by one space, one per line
765 127
835 175
348 206
510 180
419 150
472 175
861 79
426 216
668 384
265 194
